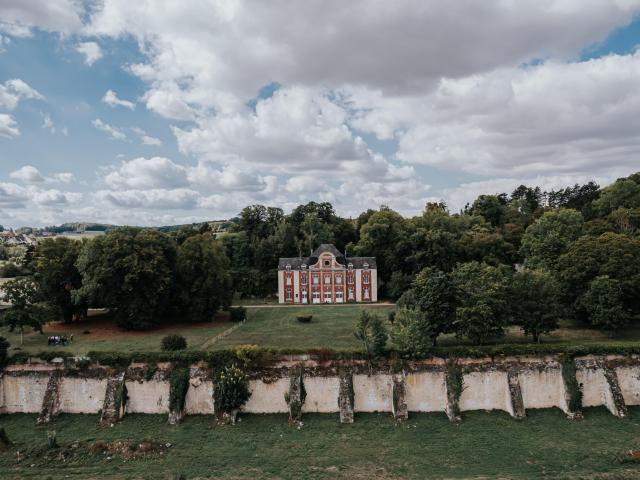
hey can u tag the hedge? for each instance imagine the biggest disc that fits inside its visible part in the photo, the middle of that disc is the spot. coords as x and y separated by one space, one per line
264 356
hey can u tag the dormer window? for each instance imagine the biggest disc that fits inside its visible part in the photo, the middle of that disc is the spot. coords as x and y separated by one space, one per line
365 266
288 267
304 266
350 266
327 263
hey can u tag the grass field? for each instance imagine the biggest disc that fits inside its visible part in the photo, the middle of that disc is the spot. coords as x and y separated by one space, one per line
485 445
269 326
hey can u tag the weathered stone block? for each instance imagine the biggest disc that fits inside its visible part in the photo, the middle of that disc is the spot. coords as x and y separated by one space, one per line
346 398
295 397
51 402
399 404
515 392
115 400
614 399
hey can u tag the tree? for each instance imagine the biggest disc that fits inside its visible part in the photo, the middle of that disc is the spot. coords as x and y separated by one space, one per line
623 193
410 332
203 277
27 308
491 207
370 330
131 271
57 275
481 303
535 302
605 304
578 197
612 255
549 237
526 199
436 299
4 351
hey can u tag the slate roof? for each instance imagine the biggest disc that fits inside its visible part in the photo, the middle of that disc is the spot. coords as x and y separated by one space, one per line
297 262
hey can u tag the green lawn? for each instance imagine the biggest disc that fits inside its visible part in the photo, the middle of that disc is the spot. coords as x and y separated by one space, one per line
332 326
485 445
272 326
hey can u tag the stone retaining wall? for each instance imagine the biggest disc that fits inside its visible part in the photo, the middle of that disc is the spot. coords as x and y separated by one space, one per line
511 384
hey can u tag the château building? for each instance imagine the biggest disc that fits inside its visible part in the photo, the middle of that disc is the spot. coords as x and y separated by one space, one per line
327 276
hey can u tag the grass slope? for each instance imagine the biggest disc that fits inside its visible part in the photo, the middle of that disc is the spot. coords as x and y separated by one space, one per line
485 445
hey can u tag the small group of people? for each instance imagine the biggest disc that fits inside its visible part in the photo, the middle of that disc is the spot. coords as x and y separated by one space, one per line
60 339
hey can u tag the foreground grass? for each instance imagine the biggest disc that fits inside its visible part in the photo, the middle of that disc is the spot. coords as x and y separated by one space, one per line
484 445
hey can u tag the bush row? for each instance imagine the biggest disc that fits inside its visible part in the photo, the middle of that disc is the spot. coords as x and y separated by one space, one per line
259 357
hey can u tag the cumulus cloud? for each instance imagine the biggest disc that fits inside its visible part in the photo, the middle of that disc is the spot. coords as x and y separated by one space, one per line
115 133
55 197
148 173
64 177
111 99
179 198
18 17
8 126
12 91
91 51
27 174
12 195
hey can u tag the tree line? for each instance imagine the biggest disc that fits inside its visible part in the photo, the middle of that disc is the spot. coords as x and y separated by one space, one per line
527 258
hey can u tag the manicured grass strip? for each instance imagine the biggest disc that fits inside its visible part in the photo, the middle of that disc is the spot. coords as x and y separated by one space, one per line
484 445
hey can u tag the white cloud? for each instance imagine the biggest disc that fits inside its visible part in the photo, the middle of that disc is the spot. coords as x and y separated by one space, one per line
179 198
18 17
12 91
145 138
91 51
47 123
111 99
55 197
148 173
12 195
8 126
64 177
27 174
114 132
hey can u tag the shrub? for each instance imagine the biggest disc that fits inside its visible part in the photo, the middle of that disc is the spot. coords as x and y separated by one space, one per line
230 389
304 318
391 316
171 343
371 332
237 314
178 386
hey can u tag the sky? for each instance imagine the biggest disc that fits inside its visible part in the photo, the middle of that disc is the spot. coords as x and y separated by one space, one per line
158 112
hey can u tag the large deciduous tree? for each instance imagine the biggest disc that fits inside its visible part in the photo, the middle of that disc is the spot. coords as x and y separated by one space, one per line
481 301
57 275
436 300
611 255
549 237
131 271
203 278
535 302
27 308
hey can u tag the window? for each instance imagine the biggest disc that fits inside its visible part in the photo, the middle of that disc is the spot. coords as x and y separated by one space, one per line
327 279
304 266
289 294
289 280
351 266
338 279
316 280
351 293
288 267
303 279
365 278
327 263
366 293
350 279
